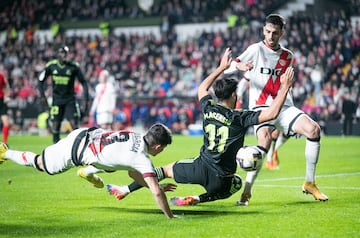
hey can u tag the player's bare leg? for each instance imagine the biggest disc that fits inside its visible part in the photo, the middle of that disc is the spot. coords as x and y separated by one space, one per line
279 142
269 165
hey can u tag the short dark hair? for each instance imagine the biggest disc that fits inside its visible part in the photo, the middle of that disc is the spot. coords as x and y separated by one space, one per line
223 88
276 19
158 134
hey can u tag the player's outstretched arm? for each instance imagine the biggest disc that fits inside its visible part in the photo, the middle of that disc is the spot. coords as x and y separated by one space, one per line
159 196
204 87
273 111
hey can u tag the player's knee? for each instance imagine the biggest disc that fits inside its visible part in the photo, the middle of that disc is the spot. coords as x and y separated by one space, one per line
313 131
264 138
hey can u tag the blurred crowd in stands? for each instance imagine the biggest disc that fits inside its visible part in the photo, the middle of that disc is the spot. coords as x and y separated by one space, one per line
157 78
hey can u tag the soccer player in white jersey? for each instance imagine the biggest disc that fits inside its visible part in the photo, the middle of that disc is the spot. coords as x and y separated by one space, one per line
104 101
270 60
106 150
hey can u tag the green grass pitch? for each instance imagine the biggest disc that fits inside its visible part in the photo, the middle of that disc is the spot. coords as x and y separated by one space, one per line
34 204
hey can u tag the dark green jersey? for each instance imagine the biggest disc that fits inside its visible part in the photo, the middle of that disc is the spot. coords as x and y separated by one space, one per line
224 132
63 80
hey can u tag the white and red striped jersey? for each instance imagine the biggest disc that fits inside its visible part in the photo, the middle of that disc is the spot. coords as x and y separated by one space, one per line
118 150
264 78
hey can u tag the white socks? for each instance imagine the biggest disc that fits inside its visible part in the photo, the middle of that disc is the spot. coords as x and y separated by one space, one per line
271 150
280 141
21 157
312 150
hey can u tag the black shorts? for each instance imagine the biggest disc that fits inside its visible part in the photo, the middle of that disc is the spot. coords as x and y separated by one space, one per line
69 110
195 171
3 107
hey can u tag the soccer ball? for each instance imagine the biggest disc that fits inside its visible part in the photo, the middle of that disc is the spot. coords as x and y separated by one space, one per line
249 158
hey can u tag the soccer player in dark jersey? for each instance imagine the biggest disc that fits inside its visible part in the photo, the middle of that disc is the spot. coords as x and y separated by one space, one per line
64 103
224 132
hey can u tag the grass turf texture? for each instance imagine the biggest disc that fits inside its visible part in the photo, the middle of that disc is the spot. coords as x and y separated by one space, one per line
34 204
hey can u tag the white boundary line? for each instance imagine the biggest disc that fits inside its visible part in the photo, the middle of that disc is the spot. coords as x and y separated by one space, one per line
286 186
301 178
318 176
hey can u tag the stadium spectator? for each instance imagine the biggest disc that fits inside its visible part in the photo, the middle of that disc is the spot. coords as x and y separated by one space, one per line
348 114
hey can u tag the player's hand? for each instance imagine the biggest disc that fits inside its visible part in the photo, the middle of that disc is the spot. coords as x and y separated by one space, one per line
287 78
226 59
168 187
245 66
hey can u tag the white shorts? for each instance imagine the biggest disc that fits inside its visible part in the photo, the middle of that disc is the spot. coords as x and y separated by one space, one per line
104 118
57 157
284 122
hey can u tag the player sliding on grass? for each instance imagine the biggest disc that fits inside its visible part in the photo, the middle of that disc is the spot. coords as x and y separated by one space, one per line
105 150
224 132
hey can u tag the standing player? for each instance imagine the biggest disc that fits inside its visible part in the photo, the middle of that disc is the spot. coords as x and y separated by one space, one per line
107 150
64 103
4 99
104 102
270 61
224 132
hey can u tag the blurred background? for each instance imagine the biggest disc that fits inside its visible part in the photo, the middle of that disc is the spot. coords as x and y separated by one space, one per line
158 52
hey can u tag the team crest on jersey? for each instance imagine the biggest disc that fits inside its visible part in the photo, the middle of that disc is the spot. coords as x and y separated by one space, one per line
68 72
55 72
282 62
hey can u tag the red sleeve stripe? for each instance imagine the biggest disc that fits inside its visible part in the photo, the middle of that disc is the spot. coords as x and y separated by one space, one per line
237 60
145 175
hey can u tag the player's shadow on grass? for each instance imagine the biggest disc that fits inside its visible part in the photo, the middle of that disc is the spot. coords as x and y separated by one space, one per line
181 211
308 202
